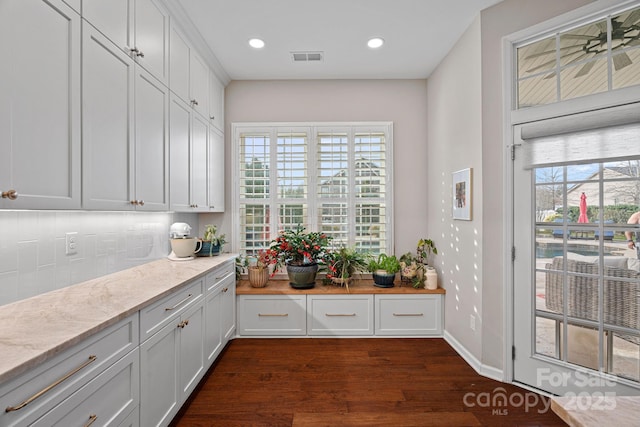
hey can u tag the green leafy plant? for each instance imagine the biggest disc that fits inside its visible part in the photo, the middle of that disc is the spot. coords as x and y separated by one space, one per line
389 263
424 249
211 236
298 247
345 262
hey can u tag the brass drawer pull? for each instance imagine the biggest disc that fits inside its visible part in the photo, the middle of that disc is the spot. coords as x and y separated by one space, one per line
408 314
339 315
183 324
92 419
273 315
11 194
179 303
92 358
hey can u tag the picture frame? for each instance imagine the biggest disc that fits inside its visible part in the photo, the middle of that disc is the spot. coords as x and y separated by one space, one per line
462 186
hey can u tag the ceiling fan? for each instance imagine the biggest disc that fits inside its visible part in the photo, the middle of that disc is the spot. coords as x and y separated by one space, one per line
623 34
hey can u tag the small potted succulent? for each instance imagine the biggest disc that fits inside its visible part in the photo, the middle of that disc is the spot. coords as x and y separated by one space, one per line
383 270
211 242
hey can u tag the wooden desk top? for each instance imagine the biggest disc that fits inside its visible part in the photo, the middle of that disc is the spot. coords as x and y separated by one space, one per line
357 286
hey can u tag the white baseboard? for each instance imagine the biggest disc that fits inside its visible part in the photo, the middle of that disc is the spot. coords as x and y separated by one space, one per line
484 370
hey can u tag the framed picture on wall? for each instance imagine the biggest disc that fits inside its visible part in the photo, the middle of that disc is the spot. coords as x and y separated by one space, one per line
462 194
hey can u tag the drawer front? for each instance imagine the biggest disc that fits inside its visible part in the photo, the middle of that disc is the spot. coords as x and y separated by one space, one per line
272 315
155 316
340 315
107 400
419 315
217 275
66 373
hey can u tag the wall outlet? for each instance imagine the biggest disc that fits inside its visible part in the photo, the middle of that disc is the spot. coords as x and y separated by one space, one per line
71 243
472 322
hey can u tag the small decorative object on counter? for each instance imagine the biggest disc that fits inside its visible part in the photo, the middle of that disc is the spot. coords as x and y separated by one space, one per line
431 279
383 270
211 242
343 264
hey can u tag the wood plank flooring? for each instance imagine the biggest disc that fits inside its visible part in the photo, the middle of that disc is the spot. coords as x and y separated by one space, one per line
354 382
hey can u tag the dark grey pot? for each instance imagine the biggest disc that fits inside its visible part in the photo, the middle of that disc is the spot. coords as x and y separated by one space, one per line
302 276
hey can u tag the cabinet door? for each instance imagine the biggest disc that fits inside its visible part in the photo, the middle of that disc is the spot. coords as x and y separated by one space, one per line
216 170
151 38
113 18
106 400
191 350
272 315
40 104
340 315
199 163
107 127
180 51
152 142
213 327
216 102
159 376
179 158
228 308
199 84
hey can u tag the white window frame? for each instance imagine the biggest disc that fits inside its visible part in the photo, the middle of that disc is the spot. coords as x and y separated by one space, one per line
312 129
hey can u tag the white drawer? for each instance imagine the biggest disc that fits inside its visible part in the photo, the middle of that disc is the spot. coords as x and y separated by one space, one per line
78 365
272 315
107 400
419 315
218 274
155 316
340 315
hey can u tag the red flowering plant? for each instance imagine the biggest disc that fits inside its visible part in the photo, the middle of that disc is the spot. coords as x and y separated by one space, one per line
297 247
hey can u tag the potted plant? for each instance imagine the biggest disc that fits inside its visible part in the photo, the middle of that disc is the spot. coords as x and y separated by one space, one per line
211 242
300 252
258 267
343 264
411 269
424 249
383 270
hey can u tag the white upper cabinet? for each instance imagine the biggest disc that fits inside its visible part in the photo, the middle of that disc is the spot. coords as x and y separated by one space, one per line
189 73
125 119
199 84
216 102
199 164
179 148
138 27
216 170
39 105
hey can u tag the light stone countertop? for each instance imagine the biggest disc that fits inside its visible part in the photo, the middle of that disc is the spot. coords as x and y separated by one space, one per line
621 411
35 329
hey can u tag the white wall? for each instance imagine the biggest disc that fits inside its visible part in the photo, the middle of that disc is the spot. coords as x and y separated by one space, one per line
404 102
455 143
32 247
465 130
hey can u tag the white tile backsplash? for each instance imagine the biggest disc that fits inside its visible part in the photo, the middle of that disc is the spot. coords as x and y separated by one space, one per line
32 246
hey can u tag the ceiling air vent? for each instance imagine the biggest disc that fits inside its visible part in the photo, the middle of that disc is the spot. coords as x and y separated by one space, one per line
307 56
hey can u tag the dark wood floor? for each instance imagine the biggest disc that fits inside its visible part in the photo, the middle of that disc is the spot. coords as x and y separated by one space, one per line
354 382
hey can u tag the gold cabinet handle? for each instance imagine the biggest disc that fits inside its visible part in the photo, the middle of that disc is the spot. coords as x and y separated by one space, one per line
92 419
92 358
408 314
340 314
179 303
225 290
183 324
11 194
273 315
194 102
141 202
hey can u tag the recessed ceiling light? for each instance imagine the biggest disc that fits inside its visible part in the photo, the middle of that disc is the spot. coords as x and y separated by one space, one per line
256 43
375 42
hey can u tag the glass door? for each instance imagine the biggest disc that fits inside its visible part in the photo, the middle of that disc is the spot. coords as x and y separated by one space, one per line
576 277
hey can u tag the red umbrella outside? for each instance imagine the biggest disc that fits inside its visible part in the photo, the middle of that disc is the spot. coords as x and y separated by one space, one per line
583 209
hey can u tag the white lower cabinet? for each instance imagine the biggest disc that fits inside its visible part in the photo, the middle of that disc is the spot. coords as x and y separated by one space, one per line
172 359
58 386
107 400
219 311
272 315
340 314
400 315
419 315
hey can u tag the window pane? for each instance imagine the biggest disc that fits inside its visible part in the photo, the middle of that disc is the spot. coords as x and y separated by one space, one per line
254 223
538 90
626 70
292 165
369 168
333 222
290 215
584 79
371 227
333 167
254 166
